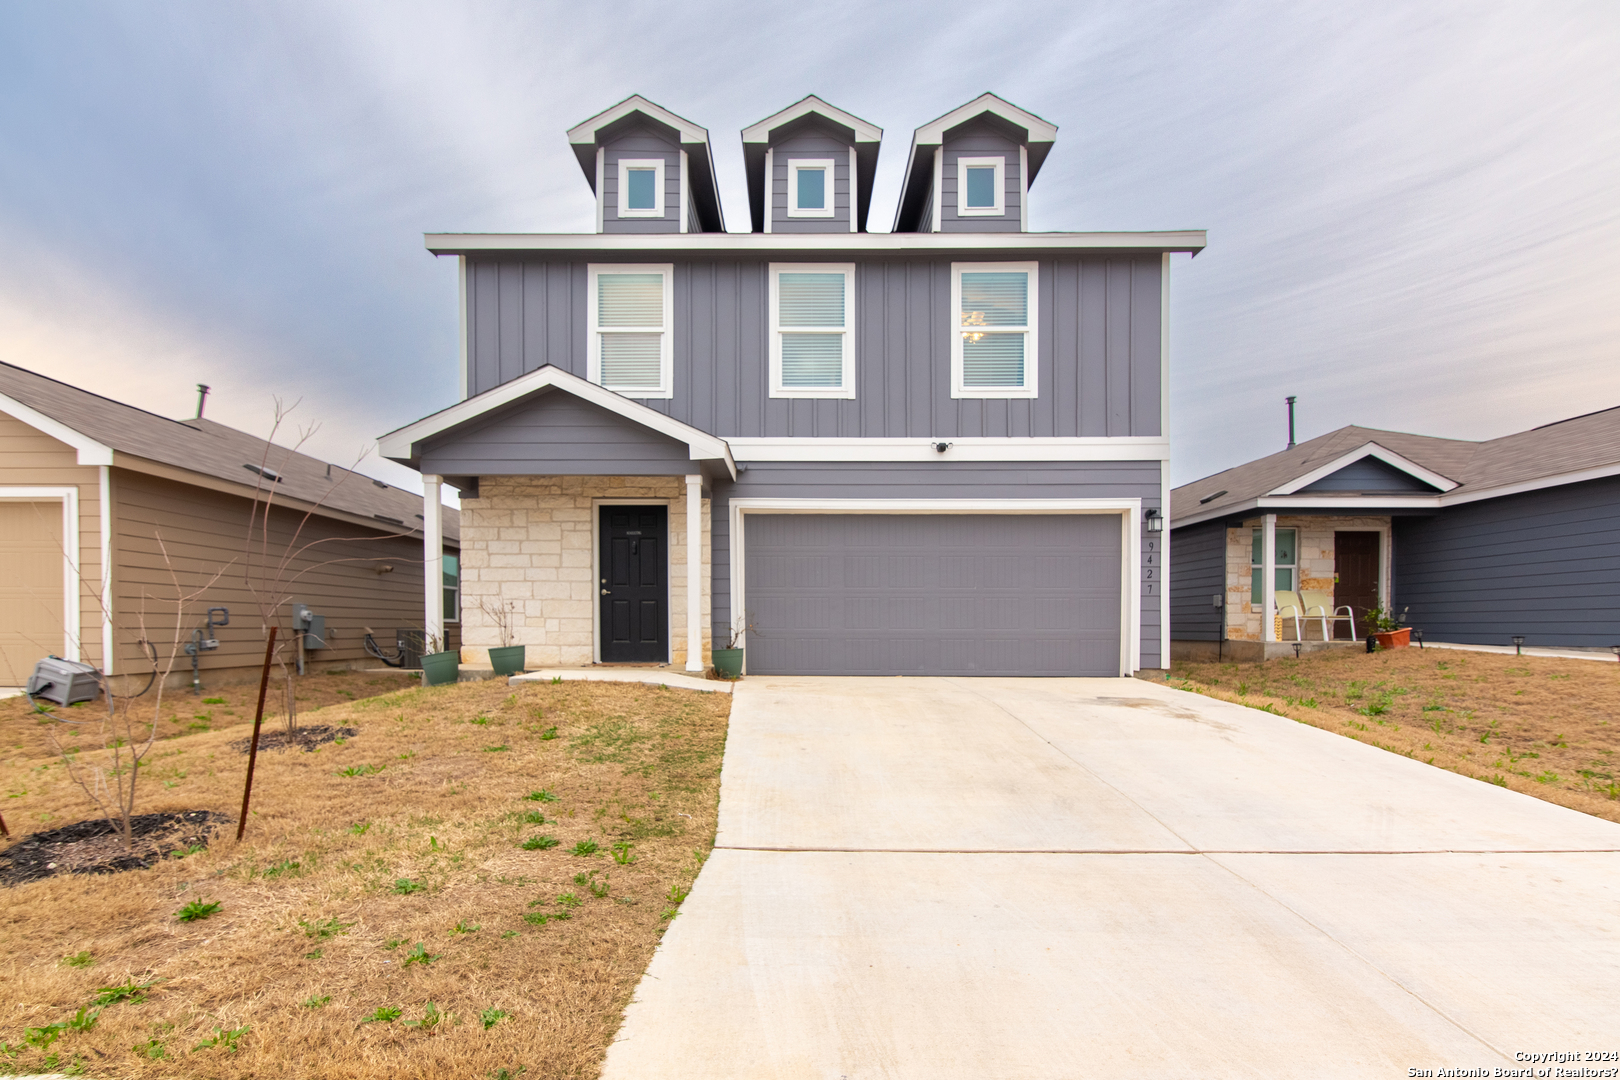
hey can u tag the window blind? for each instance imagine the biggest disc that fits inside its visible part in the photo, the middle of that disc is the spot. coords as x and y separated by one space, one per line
630 300
995 360
806 301
630 318
997 302
812 360
995 298
810 300
631 361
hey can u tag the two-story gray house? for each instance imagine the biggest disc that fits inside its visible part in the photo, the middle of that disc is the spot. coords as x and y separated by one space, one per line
935 450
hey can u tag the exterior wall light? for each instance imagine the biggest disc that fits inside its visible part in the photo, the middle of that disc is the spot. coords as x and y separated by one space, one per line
1518 644
1153 520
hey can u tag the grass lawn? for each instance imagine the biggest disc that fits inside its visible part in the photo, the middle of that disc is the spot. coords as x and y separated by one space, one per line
1545 727
469 887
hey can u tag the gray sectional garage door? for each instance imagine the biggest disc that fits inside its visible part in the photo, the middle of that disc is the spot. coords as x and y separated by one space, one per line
914 594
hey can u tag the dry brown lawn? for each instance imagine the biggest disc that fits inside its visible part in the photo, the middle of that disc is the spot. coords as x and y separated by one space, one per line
362 907
1545 727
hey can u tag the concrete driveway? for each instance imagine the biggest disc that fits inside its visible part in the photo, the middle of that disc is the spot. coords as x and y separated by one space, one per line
937 878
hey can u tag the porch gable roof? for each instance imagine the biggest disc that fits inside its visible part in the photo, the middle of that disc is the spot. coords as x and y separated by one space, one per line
405 444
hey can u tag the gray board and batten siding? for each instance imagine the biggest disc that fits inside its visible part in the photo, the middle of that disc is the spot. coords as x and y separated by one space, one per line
555 434
1369 476
933 594
1098 354
1199 578
978 138
638 141
941 480
810 143
1543 564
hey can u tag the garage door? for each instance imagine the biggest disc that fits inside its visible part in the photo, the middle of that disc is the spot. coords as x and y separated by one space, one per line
30 586
958 594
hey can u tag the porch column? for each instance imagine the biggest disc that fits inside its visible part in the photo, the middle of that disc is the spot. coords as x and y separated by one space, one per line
432 561
694 573
1268 578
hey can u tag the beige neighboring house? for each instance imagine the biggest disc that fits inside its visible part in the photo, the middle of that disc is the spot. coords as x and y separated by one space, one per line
100 499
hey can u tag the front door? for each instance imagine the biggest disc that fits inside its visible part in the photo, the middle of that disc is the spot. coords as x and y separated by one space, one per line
1355 572
634 564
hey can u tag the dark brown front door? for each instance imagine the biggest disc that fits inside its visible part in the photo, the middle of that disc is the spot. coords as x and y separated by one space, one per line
634 585
1355 568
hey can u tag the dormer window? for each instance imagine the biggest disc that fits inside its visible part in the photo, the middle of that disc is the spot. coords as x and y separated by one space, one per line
981 186
641 187
810 187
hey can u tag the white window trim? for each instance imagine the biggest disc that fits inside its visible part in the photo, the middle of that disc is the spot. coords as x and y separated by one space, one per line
625 165
1031 387
962 166
1129 511
666 351
1257 532
846 389
795 165
71 613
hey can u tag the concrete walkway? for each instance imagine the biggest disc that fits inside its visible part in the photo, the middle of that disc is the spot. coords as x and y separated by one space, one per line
941 878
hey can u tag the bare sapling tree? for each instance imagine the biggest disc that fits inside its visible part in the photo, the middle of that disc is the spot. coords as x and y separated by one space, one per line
273 563
502 615
125 728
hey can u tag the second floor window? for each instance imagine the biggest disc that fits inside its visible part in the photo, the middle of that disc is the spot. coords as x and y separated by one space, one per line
980 186
993 344
630 347
641 187
812 321
810 188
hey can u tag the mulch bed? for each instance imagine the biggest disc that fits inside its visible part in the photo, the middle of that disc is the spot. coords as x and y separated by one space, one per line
305 738
95 847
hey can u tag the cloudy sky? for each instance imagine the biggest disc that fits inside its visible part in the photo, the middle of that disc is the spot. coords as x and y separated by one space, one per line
1412 207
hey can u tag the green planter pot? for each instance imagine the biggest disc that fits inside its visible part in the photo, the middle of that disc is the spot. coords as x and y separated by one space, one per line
440 668
728 663
507 660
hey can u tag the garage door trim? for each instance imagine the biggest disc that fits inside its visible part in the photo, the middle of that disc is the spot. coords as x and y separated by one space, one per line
1129 511
69 498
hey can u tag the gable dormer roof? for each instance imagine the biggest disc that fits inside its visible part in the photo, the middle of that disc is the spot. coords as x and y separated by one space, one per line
1035 134
758 138
588 134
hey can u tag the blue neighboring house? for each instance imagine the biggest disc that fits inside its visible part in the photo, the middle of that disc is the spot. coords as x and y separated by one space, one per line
939 449
1476 542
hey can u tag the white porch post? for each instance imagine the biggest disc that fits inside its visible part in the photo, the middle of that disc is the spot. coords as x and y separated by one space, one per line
694 573
432 561
1268 578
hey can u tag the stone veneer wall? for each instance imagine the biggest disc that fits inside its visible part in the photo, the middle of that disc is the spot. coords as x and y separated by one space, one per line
1315 568
527 540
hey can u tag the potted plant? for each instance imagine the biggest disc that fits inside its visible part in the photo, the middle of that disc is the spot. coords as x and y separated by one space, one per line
439 667
728 662
508 658
1383 627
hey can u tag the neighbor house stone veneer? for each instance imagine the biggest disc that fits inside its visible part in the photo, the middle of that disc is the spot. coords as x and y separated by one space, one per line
528 541
1316 561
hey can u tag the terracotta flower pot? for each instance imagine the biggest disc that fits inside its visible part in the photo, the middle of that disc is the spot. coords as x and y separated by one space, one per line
1394 639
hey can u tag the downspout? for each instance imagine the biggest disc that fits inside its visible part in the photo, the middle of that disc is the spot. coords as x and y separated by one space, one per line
107 658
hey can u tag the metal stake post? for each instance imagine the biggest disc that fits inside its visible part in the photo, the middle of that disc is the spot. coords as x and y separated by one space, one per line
253 747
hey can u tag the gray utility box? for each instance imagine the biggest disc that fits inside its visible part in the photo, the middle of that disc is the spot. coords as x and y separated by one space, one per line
312 625
64 681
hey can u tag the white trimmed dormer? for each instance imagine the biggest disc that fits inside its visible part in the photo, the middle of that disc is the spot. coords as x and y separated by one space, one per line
651 171
810 169
970 170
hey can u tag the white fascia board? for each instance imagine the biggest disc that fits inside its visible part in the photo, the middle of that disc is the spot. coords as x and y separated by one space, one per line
401 444
585 131
935 506
933 132
1349 503
1372 450
1188 240
1599 472
90 452
761 132
1131 448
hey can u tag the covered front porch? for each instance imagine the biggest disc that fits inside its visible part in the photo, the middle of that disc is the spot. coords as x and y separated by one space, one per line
1308 578
585 524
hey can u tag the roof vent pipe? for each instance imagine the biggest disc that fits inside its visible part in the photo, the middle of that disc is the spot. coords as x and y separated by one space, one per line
1291 399
202 398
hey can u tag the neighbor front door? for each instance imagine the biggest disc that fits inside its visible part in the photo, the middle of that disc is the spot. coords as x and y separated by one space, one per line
634 584
1355 570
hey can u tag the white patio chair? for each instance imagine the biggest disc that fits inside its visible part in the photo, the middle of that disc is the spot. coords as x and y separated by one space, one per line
1319 605
1289 607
